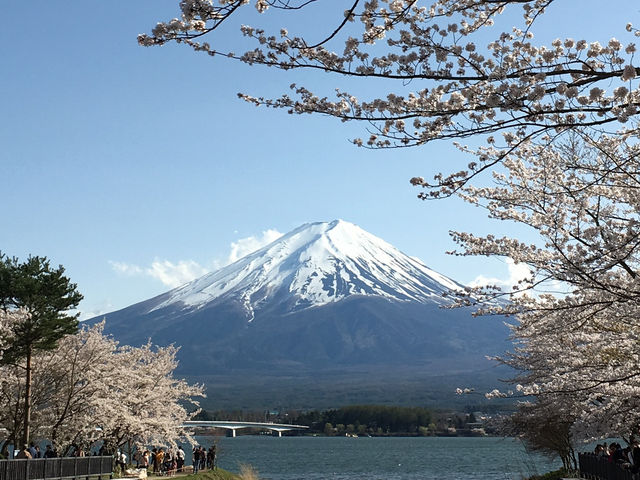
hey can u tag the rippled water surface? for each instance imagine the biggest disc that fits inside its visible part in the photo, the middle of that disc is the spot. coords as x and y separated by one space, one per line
340 458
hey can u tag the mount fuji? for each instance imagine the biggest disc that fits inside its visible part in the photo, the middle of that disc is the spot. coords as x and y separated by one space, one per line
326 304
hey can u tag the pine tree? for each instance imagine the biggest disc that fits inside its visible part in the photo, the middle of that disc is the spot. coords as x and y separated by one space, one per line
46 294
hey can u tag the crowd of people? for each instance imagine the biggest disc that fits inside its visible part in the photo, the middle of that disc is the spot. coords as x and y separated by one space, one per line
33 451
628 457
161 461
204 458
170 461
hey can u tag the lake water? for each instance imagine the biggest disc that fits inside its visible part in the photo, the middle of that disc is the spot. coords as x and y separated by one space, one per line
341 458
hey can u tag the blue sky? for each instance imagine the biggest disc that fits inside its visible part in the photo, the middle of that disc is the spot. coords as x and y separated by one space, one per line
137 168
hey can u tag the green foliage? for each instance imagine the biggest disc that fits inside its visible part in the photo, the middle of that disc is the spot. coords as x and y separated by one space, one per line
372 418
46 294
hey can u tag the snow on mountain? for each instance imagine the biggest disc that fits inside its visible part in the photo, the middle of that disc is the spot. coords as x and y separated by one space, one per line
315 264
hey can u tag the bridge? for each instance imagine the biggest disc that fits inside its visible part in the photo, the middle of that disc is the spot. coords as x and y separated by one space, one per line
233 426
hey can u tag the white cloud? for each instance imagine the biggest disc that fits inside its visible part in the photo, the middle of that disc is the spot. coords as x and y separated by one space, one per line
175 274
248 245
515 271
126 269
169 273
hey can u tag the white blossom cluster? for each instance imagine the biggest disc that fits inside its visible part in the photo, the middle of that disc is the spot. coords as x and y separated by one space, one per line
89 389
465 391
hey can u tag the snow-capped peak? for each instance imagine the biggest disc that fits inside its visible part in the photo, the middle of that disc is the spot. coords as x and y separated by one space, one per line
315 264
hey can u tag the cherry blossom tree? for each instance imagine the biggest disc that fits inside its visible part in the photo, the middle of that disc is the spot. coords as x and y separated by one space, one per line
80 372
90 389
576 327
152 404
444 79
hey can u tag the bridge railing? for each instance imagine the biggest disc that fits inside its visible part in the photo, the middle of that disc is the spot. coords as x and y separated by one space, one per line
56 468
594 467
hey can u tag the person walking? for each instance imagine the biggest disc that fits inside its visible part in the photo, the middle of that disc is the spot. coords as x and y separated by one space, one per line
154 460
180 459
196 459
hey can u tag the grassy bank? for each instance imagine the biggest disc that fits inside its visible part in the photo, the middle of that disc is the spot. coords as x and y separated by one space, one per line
217 474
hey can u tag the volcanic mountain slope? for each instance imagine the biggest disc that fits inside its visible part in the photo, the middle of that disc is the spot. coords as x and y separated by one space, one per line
324 297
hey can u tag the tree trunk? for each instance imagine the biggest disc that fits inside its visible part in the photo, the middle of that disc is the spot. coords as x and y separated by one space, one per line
27 401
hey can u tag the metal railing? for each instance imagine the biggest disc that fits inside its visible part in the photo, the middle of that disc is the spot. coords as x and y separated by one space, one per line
56 468
594 467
